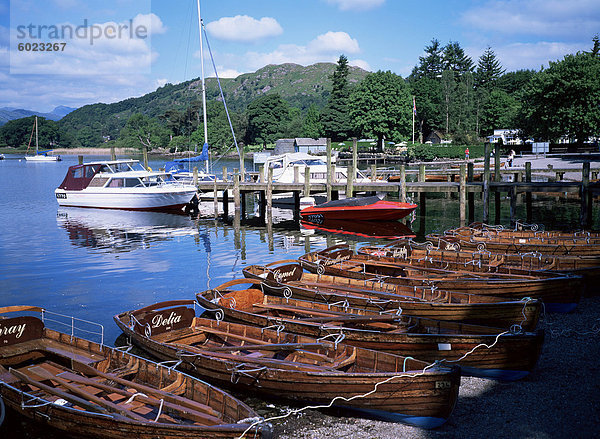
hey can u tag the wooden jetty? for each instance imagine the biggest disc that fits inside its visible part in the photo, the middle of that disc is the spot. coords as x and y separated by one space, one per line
460 180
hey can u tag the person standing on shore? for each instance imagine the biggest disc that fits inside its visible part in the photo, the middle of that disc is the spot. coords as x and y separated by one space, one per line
467 154
511 156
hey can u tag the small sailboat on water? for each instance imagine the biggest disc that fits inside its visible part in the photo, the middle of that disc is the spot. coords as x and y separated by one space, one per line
39 156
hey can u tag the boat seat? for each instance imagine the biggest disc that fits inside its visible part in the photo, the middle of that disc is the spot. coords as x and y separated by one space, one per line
80 355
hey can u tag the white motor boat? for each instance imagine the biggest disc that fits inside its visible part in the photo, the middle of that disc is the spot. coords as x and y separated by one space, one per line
283 169
122 184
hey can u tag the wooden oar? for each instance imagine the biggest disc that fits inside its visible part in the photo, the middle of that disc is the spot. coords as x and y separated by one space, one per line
62 394
187 412
111 407
89 370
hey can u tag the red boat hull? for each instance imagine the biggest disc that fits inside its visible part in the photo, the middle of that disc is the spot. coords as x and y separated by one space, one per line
379 211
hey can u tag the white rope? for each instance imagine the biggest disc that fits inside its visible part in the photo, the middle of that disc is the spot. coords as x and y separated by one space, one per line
162 401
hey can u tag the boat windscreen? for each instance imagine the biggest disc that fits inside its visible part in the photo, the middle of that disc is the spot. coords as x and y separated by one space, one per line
350 202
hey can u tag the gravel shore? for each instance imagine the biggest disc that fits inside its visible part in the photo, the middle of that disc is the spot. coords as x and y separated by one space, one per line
560 399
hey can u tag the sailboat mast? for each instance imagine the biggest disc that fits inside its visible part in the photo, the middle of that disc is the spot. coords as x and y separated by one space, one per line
203 86
36 136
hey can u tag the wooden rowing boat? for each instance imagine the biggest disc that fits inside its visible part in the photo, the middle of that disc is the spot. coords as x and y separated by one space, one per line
88 389
524 231
560 293
295 368
588 267
286 278
490 241
511 355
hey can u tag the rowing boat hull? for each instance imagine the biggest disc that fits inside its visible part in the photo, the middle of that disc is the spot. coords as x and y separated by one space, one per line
47 348
424 399
385 296
510 356
560 293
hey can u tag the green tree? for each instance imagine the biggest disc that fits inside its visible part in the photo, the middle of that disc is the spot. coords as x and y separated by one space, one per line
499 111
432 64
455 59
562 100
489 69
381 106
334 117
17 133
428 96
141 131
312 126
266 115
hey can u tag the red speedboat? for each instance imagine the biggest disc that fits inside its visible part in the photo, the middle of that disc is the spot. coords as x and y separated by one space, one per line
363 209
365 229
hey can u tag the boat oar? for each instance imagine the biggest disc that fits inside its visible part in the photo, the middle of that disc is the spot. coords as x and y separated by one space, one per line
184 402
62 394
111 407
187 412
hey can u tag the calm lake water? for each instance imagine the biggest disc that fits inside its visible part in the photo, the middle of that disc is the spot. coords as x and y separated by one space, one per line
93 264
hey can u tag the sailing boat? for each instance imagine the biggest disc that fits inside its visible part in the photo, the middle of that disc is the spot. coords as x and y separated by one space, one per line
40 156
181 169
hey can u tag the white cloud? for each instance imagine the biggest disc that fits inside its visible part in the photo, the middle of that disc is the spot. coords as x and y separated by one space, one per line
360 63
334 42
324 48
572 19
96 49
356 5
533 55
151 21
243 28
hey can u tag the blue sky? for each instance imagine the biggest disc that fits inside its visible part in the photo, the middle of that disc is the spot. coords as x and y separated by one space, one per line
246 35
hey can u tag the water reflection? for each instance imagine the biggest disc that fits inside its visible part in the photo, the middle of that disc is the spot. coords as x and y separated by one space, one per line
365 229
121 230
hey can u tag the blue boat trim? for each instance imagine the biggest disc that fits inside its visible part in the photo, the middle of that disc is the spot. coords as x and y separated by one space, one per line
494 374
560 307
426 422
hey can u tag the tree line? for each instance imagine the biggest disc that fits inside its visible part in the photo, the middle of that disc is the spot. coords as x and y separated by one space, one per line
446 92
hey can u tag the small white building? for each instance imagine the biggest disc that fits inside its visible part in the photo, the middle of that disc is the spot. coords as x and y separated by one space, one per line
508 137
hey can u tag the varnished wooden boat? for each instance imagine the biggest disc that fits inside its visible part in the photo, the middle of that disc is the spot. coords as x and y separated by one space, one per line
286 366
588 267
88 389
511 355
499 244
286 278
559 292
524 231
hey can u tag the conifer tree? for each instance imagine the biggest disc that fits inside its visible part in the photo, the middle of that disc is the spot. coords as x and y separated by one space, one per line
335 118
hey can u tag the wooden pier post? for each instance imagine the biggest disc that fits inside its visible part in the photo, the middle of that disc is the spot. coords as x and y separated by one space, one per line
373 172
329 170
585 196
512 193
528 193
224 173
462 194
236 190
486 182
145 156
422 173
403 183
270 195
307 182
225 204
497 177
195 176
296 214
113 153
261 174
349 181
296 174
471 195
80 159
215 197
354 156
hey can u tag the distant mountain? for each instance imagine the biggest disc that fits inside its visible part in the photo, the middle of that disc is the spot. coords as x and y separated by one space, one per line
300 86
11 113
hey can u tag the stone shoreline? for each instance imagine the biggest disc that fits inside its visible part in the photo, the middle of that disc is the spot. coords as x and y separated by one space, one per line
560 399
